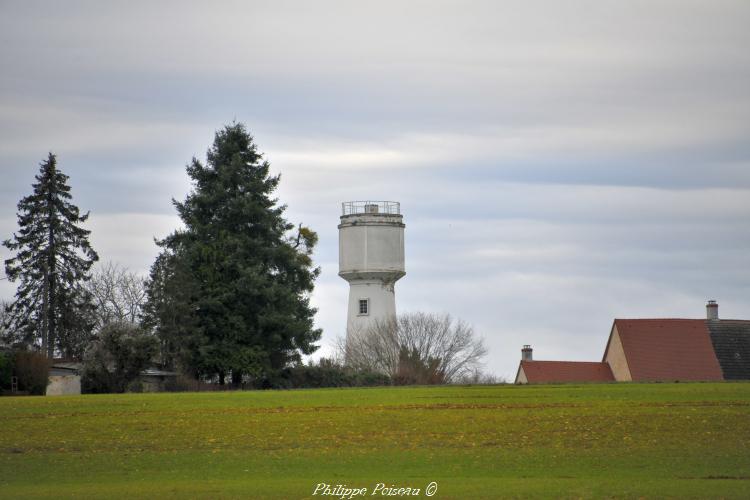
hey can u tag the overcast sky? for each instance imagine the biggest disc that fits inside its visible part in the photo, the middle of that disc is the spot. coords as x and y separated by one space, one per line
558 164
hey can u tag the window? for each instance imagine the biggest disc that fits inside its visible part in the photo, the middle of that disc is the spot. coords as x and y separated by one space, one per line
364 306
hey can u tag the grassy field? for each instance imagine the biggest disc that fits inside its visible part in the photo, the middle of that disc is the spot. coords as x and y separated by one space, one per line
619 440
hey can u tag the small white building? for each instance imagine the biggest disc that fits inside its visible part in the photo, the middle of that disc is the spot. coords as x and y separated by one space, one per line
64 379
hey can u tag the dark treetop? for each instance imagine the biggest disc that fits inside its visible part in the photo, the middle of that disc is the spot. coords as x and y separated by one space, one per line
52 309
230 292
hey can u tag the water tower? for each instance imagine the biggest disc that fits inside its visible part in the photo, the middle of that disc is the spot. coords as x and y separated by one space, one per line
371 259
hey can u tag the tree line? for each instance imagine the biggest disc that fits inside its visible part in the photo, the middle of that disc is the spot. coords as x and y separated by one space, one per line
227 299
228 296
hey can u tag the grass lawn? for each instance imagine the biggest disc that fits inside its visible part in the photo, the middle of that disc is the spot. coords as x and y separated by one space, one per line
612 440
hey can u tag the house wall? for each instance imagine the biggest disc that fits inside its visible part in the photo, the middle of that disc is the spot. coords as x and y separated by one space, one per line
521 377
62 385
616 358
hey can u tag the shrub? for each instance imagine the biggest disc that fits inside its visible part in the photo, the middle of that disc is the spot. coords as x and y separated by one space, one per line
6 370
116 358
322 375
184 383
370 379
479 377
32 370
412 369
325 374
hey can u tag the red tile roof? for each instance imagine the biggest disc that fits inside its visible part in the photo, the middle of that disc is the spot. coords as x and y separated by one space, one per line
668 349
566 371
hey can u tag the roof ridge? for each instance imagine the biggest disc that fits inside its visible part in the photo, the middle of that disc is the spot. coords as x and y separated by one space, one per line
558 361
661 319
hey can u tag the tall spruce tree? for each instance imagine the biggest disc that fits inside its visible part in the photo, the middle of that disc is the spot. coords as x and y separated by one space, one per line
52 309
229 295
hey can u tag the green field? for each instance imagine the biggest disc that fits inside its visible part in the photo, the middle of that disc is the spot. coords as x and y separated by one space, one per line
614 440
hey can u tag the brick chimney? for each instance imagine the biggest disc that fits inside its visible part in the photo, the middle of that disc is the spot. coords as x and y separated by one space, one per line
712 310
526 353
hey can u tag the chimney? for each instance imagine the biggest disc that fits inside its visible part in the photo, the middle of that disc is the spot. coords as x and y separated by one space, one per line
526 353
712 310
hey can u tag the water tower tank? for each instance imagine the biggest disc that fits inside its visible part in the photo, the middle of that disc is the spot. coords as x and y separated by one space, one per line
371 259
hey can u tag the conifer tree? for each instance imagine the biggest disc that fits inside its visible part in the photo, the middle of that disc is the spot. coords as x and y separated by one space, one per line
52 309
229 295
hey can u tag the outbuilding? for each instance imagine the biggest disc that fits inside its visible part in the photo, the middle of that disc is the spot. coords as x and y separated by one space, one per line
64 378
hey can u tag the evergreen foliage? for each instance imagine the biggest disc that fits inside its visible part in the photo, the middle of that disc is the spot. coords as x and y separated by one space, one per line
52 309
229 294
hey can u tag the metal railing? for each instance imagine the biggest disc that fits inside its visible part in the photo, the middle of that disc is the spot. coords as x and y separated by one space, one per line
370 207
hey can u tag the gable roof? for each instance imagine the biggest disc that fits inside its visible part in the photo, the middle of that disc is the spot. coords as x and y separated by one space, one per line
566 371
731 341
667 349
66 365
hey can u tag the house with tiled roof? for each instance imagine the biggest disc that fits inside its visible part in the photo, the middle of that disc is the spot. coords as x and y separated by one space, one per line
656 350
661 349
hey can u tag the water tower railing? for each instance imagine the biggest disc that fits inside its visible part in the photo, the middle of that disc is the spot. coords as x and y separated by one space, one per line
370 207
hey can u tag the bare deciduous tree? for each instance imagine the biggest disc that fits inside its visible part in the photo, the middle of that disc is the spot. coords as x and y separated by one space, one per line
416 348
119 295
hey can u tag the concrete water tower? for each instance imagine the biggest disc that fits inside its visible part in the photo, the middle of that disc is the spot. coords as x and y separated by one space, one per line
371 259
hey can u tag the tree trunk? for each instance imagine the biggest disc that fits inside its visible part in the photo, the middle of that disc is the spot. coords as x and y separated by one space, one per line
45 317
51 334
51 315
236 378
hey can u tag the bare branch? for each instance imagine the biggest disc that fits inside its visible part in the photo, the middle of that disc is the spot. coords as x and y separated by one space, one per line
119 295
416 348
